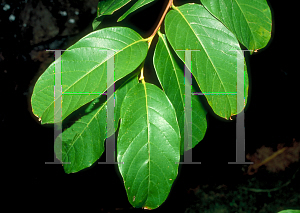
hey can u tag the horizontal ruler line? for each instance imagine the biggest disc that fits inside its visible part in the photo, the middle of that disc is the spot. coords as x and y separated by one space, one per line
194 93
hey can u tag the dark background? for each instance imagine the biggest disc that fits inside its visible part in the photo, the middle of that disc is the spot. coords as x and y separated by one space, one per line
271 117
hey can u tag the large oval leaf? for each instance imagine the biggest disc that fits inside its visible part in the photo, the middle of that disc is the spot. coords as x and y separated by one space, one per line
214 67
149 145
83 143
171 78
84 70
250 21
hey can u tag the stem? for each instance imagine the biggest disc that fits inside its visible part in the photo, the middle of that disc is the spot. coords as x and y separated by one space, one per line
142 71
270 158
162 18
170 3
256 166
142 74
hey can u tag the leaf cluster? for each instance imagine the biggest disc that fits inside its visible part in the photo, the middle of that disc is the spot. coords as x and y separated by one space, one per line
203 41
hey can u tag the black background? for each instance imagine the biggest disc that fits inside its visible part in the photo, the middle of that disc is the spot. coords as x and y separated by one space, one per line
271 117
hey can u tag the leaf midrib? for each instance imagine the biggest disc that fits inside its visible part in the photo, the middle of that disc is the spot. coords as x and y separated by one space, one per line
173 65
87 124
141 40
95 67
204 50
148 127
246 21
201 45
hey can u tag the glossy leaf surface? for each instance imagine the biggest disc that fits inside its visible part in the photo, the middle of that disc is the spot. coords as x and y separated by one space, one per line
192 27
171 78
136 6
149 145
84 69
250 21
83 143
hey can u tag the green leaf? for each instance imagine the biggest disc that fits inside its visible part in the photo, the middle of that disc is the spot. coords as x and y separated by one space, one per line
149 145
108 7
250 21
137 5
120 94
171 78
215 66
290 211
84 70
83 143
97 21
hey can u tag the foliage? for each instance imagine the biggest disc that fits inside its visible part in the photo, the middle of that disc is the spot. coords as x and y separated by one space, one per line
152 121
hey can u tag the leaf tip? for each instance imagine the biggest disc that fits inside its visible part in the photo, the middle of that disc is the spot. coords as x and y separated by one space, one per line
147 208
39 118
120 19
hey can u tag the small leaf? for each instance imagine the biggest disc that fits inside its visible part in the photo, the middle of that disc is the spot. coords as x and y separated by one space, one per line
83 143
171 78
192 27
137 5
250 21
290 211
108 7
84 70
97 21
149 145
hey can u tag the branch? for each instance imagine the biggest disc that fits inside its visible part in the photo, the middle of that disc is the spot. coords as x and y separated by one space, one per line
153 34
162 18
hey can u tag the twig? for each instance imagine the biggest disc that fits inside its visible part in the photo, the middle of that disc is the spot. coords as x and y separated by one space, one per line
162 18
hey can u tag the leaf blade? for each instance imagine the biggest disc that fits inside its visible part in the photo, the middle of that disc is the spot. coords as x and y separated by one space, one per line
136 6
110 6
83 143
149 145
215 65
84 69
251 21
106 8
171 78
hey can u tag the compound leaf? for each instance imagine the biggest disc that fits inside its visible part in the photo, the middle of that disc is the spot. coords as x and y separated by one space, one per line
192 27
250 21
137 5
171 78
84 69
149 145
